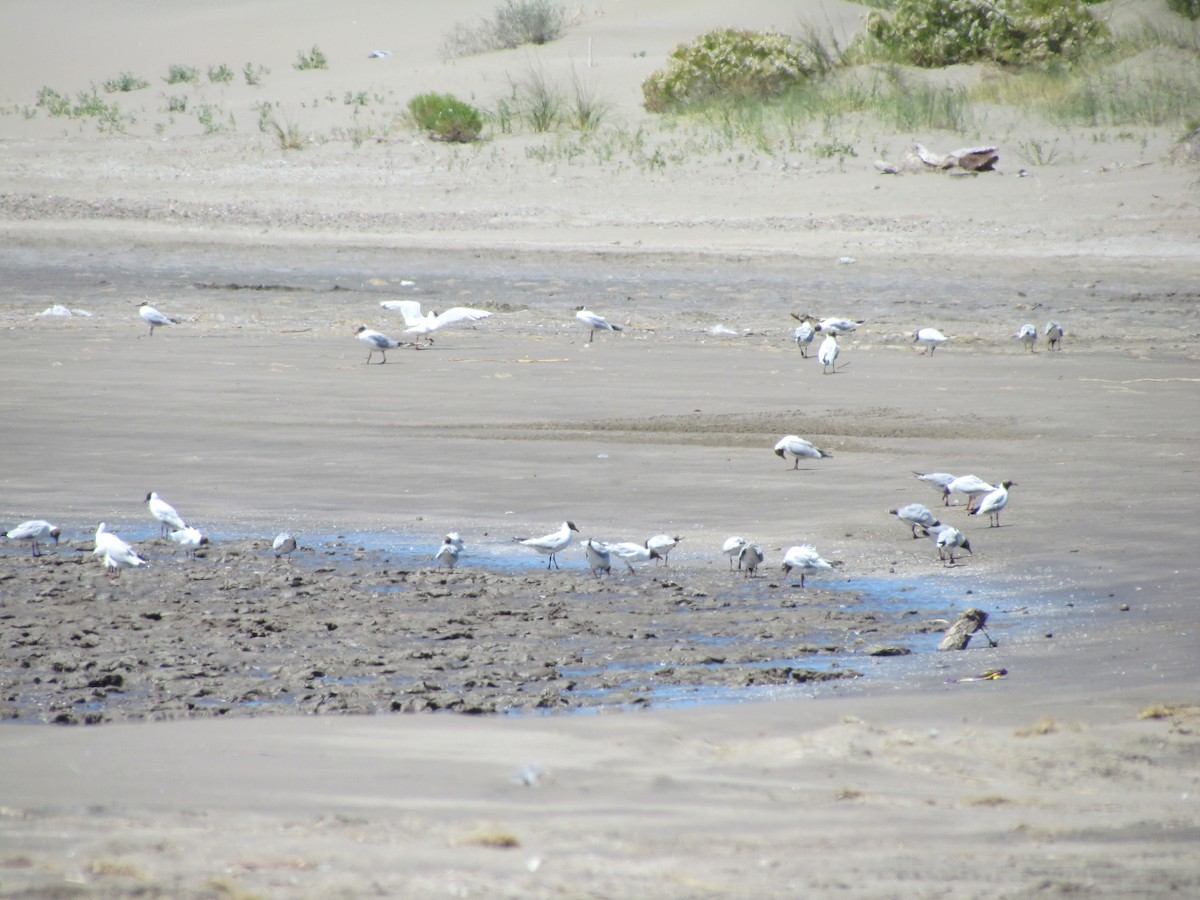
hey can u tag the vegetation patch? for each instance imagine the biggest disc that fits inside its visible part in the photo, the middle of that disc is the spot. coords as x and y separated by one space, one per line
513 24
446 118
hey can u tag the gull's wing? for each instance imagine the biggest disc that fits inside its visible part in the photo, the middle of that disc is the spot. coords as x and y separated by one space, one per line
410 309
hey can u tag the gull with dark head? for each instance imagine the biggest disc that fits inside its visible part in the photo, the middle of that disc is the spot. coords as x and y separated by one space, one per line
378 342
598 557
663 544
550 544
34 531
420 326
939 481
991 505
970 485
154 318
164 512
190 539
917 516
798 448
950 539
630 553
928 339
594 322
805 560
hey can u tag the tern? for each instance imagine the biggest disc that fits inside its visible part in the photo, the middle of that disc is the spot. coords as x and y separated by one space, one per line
164 512
804 335
948 540
971 486
733 549
550 544
593 322
283 545
805 560
664 544
939 481
928 339
993 503
798 448
631 553
154 318
1027 336
422 326
917 516
34 530
1054 335
827 354
598 557
377 341
189 538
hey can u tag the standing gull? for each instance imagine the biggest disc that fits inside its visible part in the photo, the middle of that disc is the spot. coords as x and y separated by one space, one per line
377 341
114 552
950 539
804 335
598 557
283 545
1054 335
664 544
917 516
939 481
447 554
749 559
928 339
189 538
805 560
34 530
631 553
827 354
550 544
993 503
798 448
1027 336
971 486
164 512
593 322
733 549
154 318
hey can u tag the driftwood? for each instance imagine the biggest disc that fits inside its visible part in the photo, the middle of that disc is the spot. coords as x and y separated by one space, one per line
959 634
922 159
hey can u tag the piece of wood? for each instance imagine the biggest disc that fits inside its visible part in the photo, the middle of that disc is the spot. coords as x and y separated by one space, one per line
958 635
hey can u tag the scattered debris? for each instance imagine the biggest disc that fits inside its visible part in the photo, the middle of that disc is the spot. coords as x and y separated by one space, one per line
921 159
989 675
959 634
59 310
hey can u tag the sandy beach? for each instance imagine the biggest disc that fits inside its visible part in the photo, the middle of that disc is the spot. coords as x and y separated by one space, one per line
352 721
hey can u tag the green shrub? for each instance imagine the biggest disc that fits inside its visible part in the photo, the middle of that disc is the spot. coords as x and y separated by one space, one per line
53 102
254 74
728 64
221 74
124 83
1189 9
515 23
182 75
932 33
314 59
446 118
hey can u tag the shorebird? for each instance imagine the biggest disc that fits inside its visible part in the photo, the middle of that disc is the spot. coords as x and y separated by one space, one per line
971 486
550 544
377 341
593 322
114 552
664 544
832 325
164 512
993 503
447 554
733 549
804 335
422 326
939 481
34 530
916 516
828 353
950 539
631 553
805 560
1054 335
928 339
1027 336
283 545
749 558
154 318
798 448
598 557
189 538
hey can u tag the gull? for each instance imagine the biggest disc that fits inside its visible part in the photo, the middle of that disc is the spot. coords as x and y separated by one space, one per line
928 338
939 481
806 560
798 448
115 553
164 512
550 544
593 322
948 540
631 553
664 544
598 557
189 538
1027 336
283 544
804 335
971 486
1054 335
33 531
993 503
154 318
377 341
828 353
422 326
733 549
831 325
447 554
916 516
749 558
